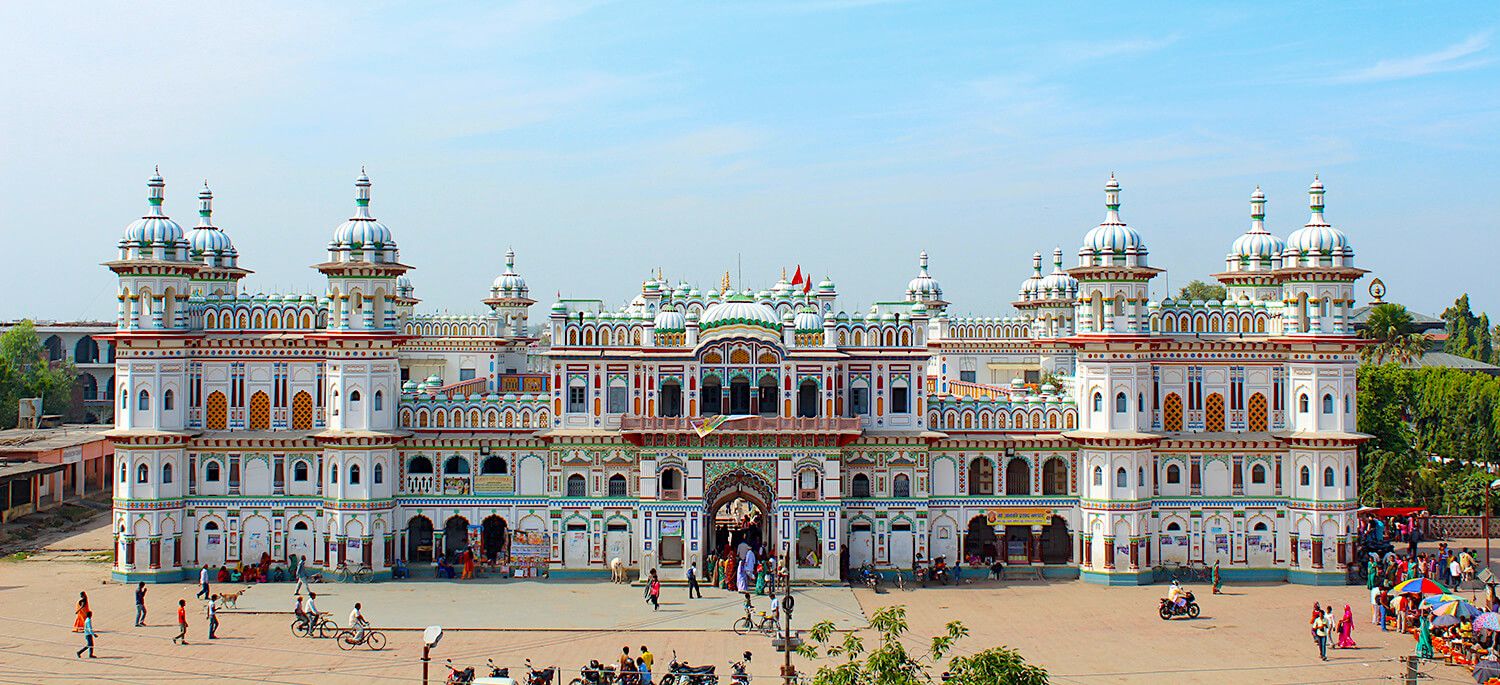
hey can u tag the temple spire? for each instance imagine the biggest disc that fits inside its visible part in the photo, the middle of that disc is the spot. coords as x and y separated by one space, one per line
1112 200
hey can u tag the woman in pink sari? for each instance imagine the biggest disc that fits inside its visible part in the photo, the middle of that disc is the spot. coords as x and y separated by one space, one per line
1346 629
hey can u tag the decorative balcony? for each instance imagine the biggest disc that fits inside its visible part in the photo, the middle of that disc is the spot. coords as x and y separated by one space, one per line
422 484
671 494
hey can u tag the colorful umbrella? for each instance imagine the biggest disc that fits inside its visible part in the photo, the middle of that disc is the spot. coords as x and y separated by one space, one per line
1439 599
1420 586
1458 608
1488 620
1440 621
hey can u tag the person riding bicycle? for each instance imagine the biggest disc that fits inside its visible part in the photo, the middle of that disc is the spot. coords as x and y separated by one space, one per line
310 611
298 610
358 623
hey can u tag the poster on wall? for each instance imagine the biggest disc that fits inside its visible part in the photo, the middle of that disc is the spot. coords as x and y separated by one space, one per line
671 527
529 553
1221 544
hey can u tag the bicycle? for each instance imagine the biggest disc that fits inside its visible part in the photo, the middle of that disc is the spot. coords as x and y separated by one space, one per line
363 574
373 639
747 624
319 626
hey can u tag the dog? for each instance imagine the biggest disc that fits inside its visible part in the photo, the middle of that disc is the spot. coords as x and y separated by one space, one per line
617 572
229 599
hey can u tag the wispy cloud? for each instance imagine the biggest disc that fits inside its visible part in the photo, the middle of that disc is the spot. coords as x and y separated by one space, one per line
1458 57
1085 51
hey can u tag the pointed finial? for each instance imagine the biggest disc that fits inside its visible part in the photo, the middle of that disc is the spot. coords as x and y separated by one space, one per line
922 261
1036 264
205 205
1112 199
155 192
1057 259
1315 200
1257 210
510 260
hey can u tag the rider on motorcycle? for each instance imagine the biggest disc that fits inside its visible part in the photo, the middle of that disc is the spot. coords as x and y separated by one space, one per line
1177 594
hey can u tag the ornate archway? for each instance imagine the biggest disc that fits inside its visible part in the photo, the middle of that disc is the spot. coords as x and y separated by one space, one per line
735 484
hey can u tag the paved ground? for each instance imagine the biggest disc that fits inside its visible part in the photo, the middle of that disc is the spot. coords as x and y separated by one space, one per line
1082 633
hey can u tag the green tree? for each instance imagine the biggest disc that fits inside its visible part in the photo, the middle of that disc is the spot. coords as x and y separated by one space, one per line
25 372
1198 290
890 663
1468 335
1390 326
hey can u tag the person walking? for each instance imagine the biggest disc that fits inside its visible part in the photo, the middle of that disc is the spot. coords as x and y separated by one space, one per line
1346 629
644 669
140 605
202 583
213 617
81 613
647 657
1320 634
1218 579
1384 602
692 579
627 664
181 637
88 635
653 591
1424 634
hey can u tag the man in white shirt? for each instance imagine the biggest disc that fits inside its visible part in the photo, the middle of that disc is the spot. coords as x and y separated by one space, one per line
202 583
357 622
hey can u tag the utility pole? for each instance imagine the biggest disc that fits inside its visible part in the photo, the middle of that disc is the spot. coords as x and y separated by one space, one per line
788 671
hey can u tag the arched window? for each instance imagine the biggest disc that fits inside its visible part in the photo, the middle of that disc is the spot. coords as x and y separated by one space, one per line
1018 477
143 402
577 486
1327 404
1122 404
617 485
1306 478
1328 477
671 479
1302 403
1140 402
1258 474
1347 481
124 472
353 395
981 477
1140 477
901 485
1098 476
419 464
1122 479
1346 404
1055 477
860 485
333 473
1098 402
1174 474
379 474
166 473
299 472
379 401
354 474
494 466
671 398
166 400
142 473
456 466
900 396
211 472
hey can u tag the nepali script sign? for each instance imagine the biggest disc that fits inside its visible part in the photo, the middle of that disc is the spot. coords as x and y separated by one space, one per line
1017 516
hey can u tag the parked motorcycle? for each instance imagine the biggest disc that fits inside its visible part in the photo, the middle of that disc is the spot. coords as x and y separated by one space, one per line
457 676
868 576
496 671
1169 609
595 673
542 677
680 673
738 672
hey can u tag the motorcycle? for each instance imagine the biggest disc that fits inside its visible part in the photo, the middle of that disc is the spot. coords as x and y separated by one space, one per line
680 673
542 677
739 675
868 576
1169 609
595 673
459 677
496 671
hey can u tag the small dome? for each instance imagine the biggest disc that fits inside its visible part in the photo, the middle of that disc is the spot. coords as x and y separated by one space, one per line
924 287
559 308
825 285
206 242
670 320
1112 237
155 228
362 233
509 283
740 309
1034 281
808 320
1317 243
1257 249
1057 285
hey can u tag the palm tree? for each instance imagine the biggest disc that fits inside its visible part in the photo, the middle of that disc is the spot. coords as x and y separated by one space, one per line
1390 326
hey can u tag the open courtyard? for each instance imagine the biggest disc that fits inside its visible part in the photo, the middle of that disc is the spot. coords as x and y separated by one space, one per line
1082 633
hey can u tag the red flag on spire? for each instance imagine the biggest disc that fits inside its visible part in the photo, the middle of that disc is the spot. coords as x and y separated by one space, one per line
807 284
797 279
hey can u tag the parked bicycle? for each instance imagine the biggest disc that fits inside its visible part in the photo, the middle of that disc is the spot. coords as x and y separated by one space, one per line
363 574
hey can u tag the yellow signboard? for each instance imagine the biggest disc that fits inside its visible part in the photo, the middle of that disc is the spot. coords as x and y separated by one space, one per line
1017 516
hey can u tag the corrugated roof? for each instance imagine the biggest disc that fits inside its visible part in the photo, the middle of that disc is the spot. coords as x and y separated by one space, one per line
27 440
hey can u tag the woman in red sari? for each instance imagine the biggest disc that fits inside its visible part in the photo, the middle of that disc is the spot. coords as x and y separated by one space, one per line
82 613
468 564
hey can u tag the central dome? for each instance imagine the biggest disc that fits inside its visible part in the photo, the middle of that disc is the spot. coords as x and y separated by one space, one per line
1112 239
741 310
155 227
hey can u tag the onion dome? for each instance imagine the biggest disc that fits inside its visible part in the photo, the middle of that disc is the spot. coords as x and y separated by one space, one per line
404 287
808 319
155 229
1317 243
206 242
1058 285
509 284
670 320
1257 249
362 237
740 309
1112 239
1034 281
924 287
825 285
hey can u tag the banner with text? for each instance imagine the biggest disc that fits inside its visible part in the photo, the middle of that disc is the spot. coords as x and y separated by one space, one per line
1017 516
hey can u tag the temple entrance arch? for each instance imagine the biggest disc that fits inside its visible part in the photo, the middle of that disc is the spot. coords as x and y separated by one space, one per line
738 504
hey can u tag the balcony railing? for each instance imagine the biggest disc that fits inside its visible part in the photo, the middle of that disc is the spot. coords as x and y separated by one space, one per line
978 390
422 484
754 424
671 494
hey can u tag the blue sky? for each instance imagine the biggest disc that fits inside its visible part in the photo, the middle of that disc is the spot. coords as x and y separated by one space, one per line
604 140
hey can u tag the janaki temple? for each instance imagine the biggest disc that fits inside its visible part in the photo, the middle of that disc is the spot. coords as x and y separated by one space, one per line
1095 433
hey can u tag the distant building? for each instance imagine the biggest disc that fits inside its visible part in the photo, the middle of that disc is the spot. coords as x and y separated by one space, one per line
84 451
86 344
1434 336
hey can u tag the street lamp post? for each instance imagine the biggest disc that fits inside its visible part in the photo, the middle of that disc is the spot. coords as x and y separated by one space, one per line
1484 521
